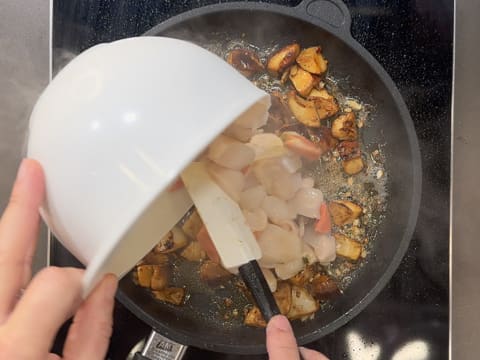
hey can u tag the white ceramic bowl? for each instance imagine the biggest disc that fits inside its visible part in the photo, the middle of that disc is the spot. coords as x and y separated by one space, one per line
115 128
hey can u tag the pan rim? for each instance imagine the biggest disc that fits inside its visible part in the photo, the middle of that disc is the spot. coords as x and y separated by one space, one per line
376 67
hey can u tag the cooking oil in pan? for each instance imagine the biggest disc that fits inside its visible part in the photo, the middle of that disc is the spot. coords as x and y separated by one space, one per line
369 188
226 304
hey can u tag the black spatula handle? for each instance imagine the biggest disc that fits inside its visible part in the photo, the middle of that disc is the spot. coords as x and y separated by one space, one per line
253 277
255 281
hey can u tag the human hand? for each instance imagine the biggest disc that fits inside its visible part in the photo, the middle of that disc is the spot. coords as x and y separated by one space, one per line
29 323
281 343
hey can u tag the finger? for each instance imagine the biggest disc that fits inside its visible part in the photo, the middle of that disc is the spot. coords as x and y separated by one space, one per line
89 335
308 354
281 343
30 254
18 233
52 297
52 356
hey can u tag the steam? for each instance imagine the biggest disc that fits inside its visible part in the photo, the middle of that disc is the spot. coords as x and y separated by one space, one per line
61 57
23 75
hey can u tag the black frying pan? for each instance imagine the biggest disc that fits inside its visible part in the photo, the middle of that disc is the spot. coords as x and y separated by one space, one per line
324 22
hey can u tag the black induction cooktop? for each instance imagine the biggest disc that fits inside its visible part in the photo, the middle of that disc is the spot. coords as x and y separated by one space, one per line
413 40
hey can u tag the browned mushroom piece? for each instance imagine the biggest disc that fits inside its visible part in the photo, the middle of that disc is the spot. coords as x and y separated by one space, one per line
320 94
348 248
213 273
144 275
322 137
171 295
353 166
326 107
175 239
244 290
355 208
245 61
254 318
323 287
153 258
303 110
160 277
192 225
344 212
283 59
303 277
285 76
302 80
349 149
279 114
344 127
311 60
303 303
193 252
283 297
311 112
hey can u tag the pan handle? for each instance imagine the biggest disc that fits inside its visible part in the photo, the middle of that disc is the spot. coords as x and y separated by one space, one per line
158 347
332 14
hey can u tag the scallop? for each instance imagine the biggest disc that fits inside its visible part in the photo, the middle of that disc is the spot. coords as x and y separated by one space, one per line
286 187
270 278
308 183
267 145
287 270
268 171
239 132
257 219
291 162
254 118
231 181
301 226
252 198
276 209
303 303
230 153
307 202
266 140
265 264
308 254
278 245
250 180
323 245
289 225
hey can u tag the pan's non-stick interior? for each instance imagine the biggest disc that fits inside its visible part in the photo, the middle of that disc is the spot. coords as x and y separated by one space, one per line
197 323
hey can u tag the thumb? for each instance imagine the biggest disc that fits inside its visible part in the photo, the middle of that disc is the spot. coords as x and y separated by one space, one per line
308 354
281 343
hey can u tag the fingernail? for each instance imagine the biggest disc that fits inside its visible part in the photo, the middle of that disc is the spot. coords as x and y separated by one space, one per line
22 170
303 351
281 323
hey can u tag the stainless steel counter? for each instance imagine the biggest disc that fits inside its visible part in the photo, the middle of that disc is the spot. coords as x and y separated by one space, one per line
24 72
465 239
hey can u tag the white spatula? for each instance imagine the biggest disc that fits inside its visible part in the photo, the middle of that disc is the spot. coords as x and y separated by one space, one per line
233 239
